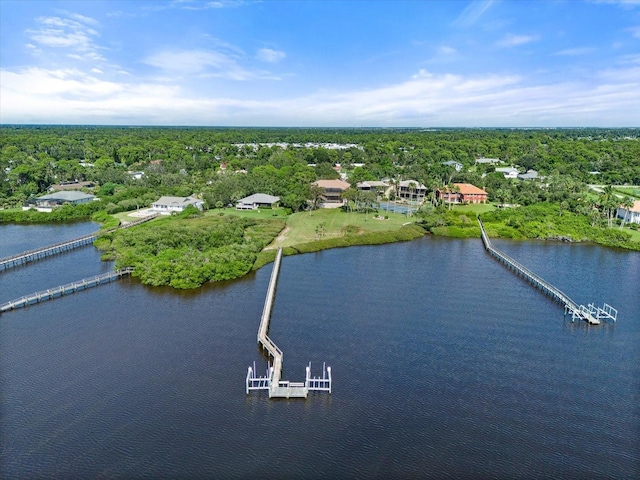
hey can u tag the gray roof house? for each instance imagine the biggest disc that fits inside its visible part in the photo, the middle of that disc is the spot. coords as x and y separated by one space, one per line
452 163
167 205
47 202
530 175
257 200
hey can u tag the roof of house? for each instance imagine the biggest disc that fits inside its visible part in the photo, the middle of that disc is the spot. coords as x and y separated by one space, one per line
406 183
451 163
372 183
636 207
339 184
488 160
468 189
529 175
259 198
70 185
166 200
506 169
67 196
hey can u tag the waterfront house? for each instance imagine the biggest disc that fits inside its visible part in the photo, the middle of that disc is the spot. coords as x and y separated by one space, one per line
167 205
332 191
257 200
47 203
464 193
632 214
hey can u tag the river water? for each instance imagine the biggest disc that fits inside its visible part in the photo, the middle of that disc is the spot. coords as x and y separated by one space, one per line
445 365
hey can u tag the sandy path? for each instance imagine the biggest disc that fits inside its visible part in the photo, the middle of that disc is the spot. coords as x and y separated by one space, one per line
280 238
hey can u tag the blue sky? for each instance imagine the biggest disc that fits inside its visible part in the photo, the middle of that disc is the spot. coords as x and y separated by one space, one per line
456 63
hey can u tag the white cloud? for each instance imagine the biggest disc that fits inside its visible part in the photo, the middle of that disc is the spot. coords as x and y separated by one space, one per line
609 98
621 3
635 31
472 13
198 5
75 34
269 55
516 40
445 50
188 62
575 52
204 64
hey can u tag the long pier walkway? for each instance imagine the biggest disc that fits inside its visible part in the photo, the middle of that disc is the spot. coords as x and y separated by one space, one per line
590 313
272 381
37 254
31 255
52 293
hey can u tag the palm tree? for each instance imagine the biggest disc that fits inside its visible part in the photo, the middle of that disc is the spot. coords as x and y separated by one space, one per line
452 188
316 196
412 190
627 204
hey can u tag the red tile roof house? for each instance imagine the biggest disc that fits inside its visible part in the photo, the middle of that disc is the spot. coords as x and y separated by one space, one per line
333 189
466 193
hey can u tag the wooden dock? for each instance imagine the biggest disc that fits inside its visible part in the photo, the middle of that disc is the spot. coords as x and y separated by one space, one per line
61 247
590 314
56 292
272 382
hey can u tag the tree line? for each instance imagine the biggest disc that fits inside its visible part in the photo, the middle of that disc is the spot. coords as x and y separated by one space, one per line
225 164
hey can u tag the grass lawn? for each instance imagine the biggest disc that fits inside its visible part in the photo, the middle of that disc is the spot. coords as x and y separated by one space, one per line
635 234
475 209
263 213
301 227
630 191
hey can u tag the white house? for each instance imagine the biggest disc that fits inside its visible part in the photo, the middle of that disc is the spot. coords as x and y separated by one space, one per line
632 215
508 172
257 200
452 163
168 205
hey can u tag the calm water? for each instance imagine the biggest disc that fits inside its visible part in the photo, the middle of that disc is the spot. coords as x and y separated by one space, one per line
445 365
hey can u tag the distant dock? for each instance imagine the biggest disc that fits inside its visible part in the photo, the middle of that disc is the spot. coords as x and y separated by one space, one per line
61 247
590 313
272 382
37 254
62 290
